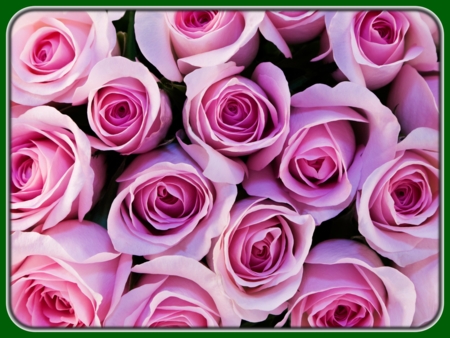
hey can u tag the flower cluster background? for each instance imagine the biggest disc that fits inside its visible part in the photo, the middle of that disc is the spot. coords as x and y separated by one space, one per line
219 168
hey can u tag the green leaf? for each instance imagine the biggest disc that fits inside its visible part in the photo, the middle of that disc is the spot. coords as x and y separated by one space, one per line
130 46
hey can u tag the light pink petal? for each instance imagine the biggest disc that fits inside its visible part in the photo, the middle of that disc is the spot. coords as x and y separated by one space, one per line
153 38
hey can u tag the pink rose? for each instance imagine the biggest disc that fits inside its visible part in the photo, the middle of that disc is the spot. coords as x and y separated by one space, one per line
370 47
260 256
126 109
414 99
346 285
398 206
425 277
53 176
68 276
165 206
174 291
291 27
227 115
176 43
52 53
337 137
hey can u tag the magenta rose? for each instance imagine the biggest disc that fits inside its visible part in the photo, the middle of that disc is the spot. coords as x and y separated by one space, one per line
414 99
337 137
346 285
174 291
67 276
165 206
126 109
227 115
53 175
52 53
370 47
398 206
425 277
176 43
291 27
260 255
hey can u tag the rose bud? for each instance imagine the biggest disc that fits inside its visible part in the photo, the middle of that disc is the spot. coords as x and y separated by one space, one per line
398 206
53 175
68 276
346 285
226 116
126 109
165 206
370 47
174 291
52 53
176 43
259 256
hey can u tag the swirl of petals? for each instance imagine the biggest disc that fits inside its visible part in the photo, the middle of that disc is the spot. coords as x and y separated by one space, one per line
126 109
67 276
398 206
260 255
52 53
174 291
346 285
166 206
53 176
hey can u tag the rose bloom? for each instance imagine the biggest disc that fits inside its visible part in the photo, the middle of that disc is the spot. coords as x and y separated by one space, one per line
425 277
53 175
174 291
52 53
370 47
176 43
414 99
398 206
346 285
227 115
67 276
337 137
165 205
291 27
260 255
126 109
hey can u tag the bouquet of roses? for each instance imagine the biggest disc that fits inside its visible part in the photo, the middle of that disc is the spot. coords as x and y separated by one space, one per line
224 168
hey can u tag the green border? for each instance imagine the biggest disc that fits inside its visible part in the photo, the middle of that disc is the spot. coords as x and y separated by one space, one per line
8 12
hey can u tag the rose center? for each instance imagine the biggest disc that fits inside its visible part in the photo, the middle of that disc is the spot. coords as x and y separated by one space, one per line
198 19
384 30
22 173
315 164
165 196
406 195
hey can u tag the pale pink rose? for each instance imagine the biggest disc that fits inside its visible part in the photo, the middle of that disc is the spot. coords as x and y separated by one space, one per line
165 206
176 43
337 137
260 255
370 47
126 109
425 276
346 285
227 115
67 276
53 175
398 206
174 291
414 99
52 53
291 27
